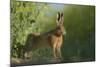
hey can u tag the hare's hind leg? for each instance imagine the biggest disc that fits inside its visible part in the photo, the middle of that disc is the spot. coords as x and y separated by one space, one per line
28 55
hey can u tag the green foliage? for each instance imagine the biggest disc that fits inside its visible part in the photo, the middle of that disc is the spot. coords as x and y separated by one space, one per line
26 17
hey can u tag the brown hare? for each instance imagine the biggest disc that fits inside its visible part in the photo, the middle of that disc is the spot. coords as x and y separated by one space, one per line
53 39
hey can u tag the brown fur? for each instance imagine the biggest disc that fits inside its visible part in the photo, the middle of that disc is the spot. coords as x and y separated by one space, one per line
53 38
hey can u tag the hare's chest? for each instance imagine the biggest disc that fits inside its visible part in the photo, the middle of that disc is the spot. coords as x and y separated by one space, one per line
54 40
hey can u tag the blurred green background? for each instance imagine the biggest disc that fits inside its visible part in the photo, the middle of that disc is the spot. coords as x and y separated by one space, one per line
79 23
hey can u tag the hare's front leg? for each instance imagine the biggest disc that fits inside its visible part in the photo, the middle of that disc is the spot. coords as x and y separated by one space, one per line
54 51
59 44
59 52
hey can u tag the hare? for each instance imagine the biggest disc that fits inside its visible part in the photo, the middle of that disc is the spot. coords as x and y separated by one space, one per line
53 39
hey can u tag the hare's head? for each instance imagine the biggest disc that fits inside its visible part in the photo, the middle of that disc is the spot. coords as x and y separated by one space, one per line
59 21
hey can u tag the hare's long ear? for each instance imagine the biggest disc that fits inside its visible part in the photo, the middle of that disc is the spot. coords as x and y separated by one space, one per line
62 14
62 18
58 18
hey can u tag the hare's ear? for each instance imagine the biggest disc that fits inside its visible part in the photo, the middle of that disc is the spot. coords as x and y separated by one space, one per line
62 15
62 18
58 18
